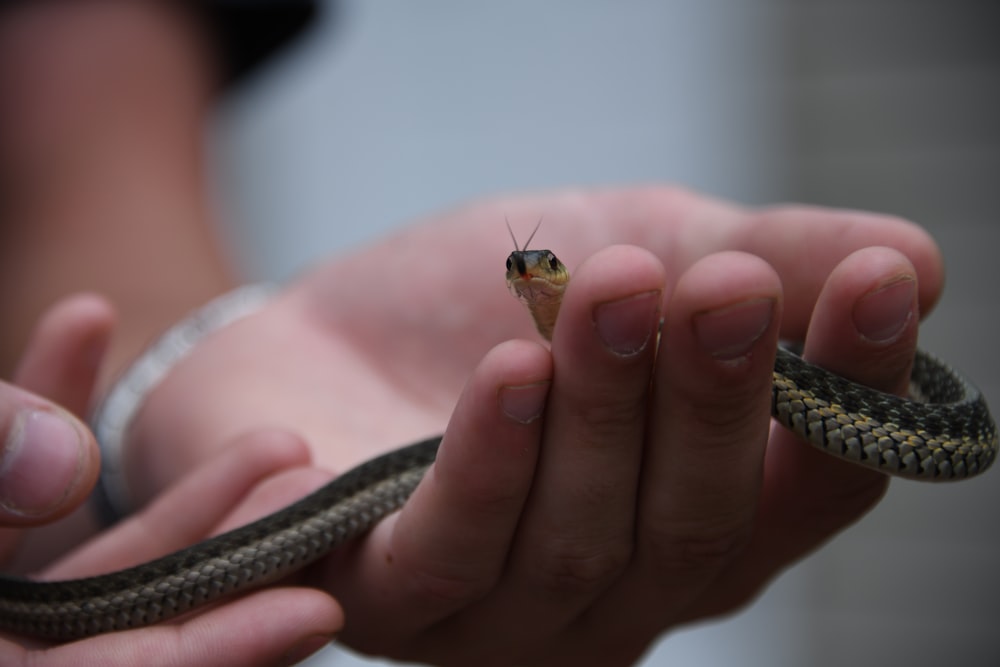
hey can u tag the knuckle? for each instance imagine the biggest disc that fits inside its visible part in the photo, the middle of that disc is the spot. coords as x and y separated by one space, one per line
720 423
606 417
567 570
498 496
725 417
700 548
448 588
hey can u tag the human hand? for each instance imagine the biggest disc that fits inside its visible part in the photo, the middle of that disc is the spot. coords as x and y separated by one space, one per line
49 464
650 493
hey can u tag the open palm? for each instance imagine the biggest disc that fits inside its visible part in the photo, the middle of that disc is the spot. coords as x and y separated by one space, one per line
649 487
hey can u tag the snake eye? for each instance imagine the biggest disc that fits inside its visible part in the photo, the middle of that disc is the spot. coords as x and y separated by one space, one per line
509 263
553 262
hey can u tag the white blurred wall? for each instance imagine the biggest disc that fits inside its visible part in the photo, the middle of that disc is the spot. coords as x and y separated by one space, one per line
398 109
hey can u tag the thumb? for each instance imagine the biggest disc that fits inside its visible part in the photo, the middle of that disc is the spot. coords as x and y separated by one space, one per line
48 463
48 459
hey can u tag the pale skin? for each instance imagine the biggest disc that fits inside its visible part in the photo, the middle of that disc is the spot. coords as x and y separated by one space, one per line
648 492
56 376
625 496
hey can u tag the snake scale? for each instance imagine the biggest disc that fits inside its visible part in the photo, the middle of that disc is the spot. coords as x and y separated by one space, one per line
945 432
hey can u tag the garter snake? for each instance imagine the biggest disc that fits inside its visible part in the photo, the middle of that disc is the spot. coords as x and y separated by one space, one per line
946 434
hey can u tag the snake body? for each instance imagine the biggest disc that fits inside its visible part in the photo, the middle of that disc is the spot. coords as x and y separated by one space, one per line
945 432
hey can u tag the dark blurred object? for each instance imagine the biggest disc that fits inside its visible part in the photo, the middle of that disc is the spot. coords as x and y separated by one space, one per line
248 32
245 32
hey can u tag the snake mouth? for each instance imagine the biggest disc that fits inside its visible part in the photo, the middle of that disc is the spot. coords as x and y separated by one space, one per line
534 289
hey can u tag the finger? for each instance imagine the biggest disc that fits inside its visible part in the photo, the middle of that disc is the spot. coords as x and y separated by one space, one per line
577 531
448 546
48 463
64 356
804 244
271 627
276 491
878 289
279 626
864 328
49 460
708 433
191 509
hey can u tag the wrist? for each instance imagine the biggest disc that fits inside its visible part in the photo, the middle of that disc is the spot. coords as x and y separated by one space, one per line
113 418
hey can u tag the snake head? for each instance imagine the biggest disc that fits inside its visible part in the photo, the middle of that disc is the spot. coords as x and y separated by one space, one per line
538 279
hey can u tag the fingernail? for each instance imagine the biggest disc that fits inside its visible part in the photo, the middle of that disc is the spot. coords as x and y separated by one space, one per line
626 326
524 403
306 648
882 314
40 463
728 333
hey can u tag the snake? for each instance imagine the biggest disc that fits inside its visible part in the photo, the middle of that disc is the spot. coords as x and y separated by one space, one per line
941 431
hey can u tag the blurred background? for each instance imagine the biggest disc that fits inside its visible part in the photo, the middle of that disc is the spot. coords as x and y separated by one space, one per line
384 112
